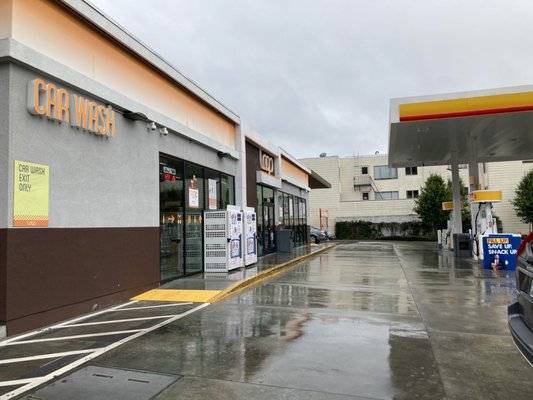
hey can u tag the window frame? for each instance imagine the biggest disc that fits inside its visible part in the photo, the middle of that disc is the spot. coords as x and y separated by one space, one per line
392 173
411 171
412 194
391 192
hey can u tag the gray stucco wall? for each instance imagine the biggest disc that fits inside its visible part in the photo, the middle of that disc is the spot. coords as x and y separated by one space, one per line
95 181
4 143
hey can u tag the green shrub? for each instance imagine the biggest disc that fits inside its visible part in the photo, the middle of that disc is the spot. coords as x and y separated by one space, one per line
360 230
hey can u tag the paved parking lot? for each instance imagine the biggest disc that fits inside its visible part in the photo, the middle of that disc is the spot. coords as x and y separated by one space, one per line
368 320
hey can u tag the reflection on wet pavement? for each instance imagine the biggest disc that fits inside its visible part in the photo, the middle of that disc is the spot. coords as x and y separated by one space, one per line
351 319
384 320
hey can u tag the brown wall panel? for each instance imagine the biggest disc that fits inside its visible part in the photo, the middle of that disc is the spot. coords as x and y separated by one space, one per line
50 317
51 269
252 166
3 247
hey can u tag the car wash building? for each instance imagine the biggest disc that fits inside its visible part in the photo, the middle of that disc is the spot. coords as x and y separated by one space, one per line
108 156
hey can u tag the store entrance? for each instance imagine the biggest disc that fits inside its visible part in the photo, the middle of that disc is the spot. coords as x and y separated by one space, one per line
171 219
269 244
185 191
266 225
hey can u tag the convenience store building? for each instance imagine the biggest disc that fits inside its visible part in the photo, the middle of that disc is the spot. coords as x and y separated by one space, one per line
109 156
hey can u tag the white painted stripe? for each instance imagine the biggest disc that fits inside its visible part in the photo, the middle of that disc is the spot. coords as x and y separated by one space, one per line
25 335
117 321
159 306
17 382
45 356
84 317
88 335
97 353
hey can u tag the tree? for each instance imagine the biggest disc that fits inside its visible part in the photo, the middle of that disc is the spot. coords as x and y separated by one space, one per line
428 205
523 201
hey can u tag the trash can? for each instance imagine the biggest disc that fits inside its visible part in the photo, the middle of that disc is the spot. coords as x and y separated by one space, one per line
462 245
284 243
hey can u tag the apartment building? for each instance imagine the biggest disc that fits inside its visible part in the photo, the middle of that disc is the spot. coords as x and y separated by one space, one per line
366 188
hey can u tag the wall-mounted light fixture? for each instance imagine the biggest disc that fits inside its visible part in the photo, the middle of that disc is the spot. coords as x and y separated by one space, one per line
163 131
135 116
151 126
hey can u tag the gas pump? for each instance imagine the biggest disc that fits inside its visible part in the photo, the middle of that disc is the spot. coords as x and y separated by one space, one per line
483 221
446 242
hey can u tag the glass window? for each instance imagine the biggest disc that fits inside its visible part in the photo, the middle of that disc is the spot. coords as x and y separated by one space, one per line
411 171
260 221
195 202
280 209
212 190
171 213
387 195
194 186
291 210
186 189
366 196
268 195
296 211
302 221
303 207
364 170
266 220
385 172
227 187
412 194
286 220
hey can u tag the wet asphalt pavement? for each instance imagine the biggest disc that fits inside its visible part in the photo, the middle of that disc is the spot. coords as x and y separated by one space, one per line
367 320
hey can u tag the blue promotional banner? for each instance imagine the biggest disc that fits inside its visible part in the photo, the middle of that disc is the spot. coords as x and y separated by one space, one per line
499 251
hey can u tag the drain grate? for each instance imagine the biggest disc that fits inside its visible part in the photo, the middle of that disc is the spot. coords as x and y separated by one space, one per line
102 383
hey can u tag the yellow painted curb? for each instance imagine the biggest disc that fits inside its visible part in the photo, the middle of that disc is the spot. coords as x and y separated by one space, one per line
195 296
263 275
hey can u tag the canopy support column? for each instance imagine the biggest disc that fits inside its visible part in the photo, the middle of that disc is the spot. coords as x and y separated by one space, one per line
473 177
456 188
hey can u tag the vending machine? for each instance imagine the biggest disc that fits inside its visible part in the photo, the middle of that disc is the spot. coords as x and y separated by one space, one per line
223 239
250 236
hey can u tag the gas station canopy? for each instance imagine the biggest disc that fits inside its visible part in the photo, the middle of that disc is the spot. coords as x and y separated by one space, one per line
489 125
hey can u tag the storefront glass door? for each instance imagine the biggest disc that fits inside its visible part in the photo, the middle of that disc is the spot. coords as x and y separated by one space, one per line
171 218
195 202
269 243
266 228
185 191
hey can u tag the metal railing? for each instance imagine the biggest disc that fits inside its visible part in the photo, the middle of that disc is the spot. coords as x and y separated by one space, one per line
366 180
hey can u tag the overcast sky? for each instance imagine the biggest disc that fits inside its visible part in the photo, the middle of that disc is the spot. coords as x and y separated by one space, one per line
316 76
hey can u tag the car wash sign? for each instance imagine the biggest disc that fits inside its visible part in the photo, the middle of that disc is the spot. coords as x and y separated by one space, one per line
499 251
30 197
57 104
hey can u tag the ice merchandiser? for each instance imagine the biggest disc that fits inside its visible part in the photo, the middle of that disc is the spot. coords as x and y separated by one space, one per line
250 234
223 239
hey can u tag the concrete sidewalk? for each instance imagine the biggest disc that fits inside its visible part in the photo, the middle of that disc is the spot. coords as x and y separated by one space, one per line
231 282
35 358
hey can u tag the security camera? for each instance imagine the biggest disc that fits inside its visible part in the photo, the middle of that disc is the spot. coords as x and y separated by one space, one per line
152 126
163 131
